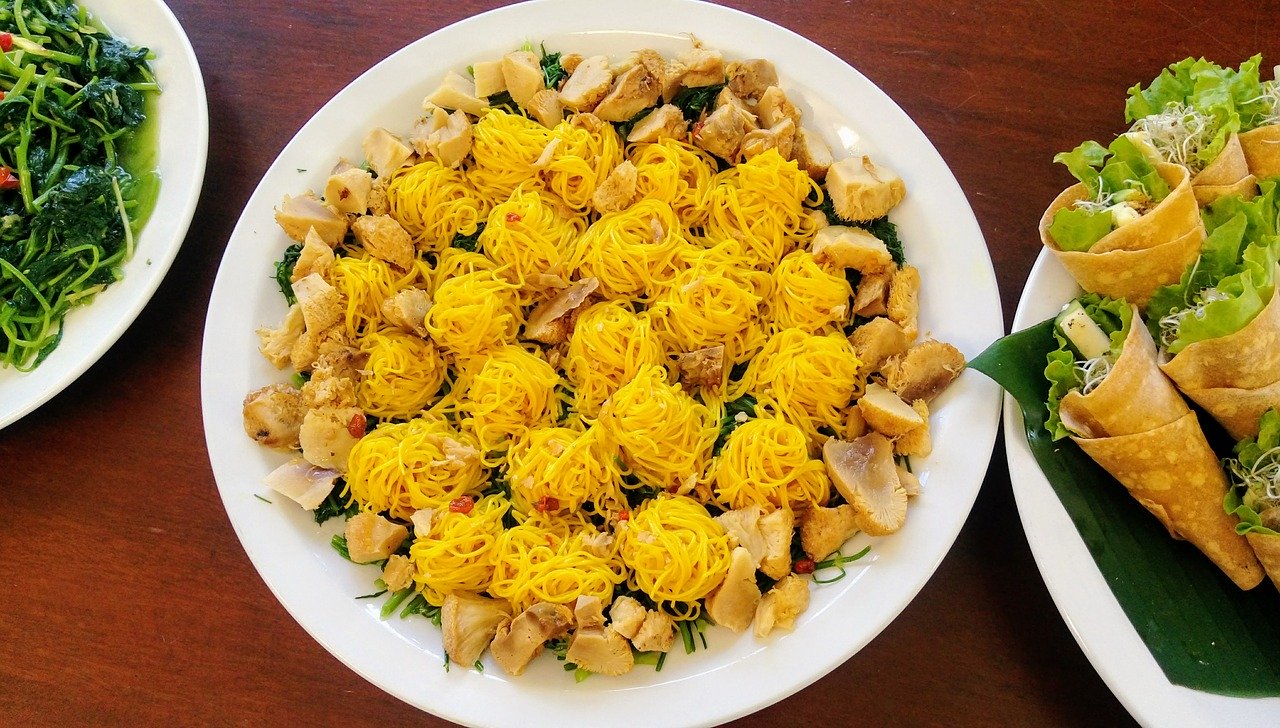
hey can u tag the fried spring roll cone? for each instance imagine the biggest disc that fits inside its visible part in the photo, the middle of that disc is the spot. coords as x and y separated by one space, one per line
1267 548
1133 260
1235 377
1262 150
1141 431
1227 175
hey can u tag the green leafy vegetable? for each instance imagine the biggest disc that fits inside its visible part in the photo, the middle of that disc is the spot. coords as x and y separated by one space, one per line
1256 473
1118 176
335 505
469 243
836 561
1114 317
744 405
284 272
552 72
339 544
692 102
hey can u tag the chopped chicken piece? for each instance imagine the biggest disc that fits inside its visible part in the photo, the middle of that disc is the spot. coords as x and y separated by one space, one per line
587 84
348 191
385 151
370 537
302 482
488 78
824 530
774 106
749 79
863 471
277 344
886 413
588 612
328 434
445 137
602 651
634 91
910 483
903 305
777 528
701 67
627 615
780 137
916 441
310 345
861 190
407 310
551 321
924 371
702 367
873 292
397 573
459 92
315 257
656 634
521 640
618 190
523 74
468 623
321 303
743 527
876 341
299 215
812 154
664 121
851 247
722 132
384 239
781 605
733 603
597 542
273 415
729 98
547 108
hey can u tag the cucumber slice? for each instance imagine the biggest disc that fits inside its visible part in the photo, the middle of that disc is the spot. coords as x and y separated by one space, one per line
1086 336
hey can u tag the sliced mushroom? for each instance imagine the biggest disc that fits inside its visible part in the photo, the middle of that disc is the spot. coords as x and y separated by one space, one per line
299 215
758 141
397 574
547 107
626 615
521 640
618 190
273 415
750 78
488 78
523 75
777 528
722 132
924 371
407 310
587 84
469 623
876 341
701 67
781 605
370 537
348 191
851 247
917 441
873 291
327 436
635 90
743 527
276 345
863 471
320 302
886 413
656 634
663 122
861 190
385 151
551 321
315 257
812 154
910 483
824 530
302 482
903 304
385 239
602 651
733 603
445 137
458 92
588 612
774 106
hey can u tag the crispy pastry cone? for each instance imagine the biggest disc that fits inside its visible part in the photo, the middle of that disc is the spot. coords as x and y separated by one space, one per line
1235 377
1140 430
1134 260
1262 150
1267 547
1227 175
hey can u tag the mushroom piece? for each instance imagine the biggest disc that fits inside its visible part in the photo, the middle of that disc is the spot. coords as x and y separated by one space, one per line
863 471
446 137
326 435
458 92
397 573
547 107
587 84
385 152
824 530
876 341
276 344
635 90
626 615
758 141
917 441
469 623
722 132
348 191
701 67
743 527
702 367
656 634
384 239
299 215
488 77
664 121
733 603
781 605
370 537
750 78
774 106
601 651
588 612
903 304
315 257
886 413
334 377
618 189
302 482
812 154
777 528
924 371
320 302
273 415
523 74
407 310
861 190
851 247
910 483
551 321
873 290
521 640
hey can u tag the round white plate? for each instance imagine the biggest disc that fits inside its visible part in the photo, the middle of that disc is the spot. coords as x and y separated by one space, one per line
182 146
1083 597
738 674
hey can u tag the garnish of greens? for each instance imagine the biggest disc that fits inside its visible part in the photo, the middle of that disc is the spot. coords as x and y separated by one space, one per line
1076 364
72 197
1122 183
1194 106
1255 471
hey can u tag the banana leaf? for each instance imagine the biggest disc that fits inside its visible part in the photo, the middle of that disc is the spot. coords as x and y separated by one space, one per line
1205 633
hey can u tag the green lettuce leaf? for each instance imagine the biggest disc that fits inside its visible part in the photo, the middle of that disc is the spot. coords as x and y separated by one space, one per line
1078 229
1260 213
1084 162
1241 297
1111 175
1219 258
1248 451
1114 316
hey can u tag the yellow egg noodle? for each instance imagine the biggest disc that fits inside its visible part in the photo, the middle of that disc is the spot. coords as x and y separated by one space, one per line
614 359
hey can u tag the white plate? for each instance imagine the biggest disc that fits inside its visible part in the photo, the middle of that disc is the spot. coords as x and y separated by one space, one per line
1083 597
182 146
738 674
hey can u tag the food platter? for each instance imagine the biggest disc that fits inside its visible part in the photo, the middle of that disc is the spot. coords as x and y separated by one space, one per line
1078 588
738 674
181 149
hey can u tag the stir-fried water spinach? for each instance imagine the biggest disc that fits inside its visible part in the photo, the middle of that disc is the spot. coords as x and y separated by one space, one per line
74 189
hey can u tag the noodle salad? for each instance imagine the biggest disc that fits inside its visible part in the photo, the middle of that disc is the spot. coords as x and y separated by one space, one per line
599 352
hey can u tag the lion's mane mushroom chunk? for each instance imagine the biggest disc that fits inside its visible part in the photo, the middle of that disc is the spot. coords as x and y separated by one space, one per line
273 415
469 623
733 603
887 413
924 371
551 321
370 537
600 650
824 530
861 190
518 642
626 615
781 605
864 472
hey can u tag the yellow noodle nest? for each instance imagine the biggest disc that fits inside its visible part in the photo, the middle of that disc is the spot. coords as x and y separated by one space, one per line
402 374
549 559
580 161
505 147
677 173
609 345
808 296
365 281
761 203
805 379
473 313
455 262
529 240
766 462
632 253
422 463
459 553
572 467
509 391
663 434
676 552
434 203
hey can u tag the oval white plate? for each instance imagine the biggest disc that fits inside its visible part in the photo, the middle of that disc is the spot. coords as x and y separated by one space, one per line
1083 597
182 146
737 674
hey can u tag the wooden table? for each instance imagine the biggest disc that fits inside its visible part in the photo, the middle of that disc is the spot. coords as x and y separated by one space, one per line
125 598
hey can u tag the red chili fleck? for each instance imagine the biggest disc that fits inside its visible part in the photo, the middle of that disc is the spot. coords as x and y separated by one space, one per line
1 96
547 503
673 489
344 194
513 217
6 42
624 515
9 180
356 425
805 566
697 129
463 504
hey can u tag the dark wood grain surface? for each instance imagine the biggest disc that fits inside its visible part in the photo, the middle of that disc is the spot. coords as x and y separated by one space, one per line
125 598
